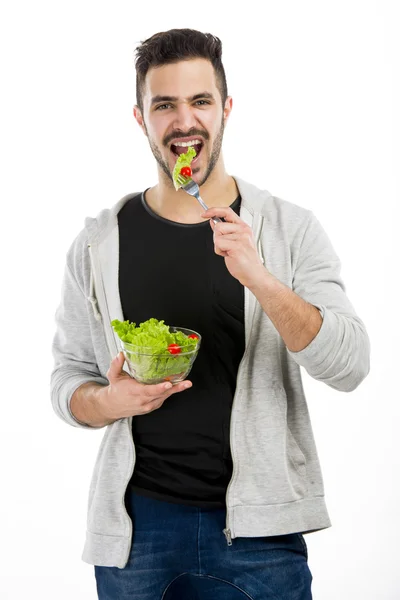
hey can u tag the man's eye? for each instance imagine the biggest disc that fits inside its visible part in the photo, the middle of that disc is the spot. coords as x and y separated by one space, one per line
162 106
202 102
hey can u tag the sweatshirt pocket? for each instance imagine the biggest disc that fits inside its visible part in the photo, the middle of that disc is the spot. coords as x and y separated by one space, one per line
293 451
269 465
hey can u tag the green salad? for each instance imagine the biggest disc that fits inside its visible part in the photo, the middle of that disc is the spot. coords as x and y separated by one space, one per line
183 162
154 352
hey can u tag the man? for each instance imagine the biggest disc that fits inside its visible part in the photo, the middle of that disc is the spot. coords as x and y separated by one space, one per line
203 489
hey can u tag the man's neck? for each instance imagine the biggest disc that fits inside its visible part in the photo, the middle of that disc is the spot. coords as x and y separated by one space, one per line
164 200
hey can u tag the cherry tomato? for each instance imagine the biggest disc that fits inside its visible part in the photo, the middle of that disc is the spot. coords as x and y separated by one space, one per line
174 349
186 171
193 336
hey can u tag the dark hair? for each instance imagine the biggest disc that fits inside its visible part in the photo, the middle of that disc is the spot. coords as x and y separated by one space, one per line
174 45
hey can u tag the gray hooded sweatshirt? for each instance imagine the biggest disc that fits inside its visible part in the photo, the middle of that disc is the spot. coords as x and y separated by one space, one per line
276 486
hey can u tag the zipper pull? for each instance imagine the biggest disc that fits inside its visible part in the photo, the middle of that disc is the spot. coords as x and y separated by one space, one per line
228 535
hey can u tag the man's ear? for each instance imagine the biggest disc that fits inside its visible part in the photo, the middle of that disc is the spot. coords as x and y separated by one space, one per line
137 113
228 108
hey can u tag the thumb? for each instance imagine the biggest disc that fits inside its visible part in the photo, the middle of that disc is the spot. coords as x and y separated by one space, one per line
116 366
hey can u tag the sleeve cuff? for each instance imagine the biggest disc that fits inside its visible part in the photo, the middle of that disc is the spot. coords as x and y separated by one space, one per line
65 394
317 356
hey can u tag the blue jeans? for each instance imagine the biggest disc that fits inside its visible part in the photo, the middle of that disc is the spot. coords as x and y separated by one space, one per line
180 553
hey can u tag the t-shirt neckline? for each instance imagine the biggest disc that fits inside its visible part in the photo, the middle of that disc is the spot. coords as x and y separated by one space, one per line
233 206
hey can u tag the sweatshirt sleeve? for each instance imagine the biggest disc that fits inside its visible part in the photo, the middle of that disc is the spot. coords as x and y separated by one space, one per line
74 357
339 355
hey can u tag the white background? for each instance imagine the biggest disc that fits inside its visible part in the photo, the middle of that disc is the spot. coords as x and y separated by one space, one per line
316 122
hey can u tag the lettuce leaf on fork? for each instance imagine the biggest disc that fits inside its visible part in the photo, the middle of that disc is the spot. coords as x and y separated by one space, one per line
183 160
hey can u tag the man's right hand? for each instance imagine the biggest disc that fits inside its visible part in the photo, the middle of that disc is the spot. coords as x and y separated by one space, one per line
126 397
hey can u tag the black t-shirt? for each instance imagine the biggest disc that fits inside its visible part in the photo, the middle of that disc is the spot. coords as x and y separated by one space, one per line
170 271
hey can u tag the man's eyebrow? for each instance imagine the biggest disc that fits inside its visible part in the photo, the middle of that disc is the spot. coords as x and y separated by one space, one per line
157 99
206 95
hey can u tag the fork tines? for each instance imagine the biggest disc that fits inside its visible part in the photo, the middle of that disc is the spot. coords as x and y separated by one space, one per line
183 180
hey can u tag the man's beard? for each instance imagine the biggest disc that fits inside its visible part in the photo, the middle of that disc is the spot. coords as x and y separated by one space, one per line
215 152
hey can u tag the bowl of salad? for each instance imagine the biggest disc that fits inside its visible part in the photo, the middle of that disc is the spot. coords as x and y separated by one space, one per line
156 352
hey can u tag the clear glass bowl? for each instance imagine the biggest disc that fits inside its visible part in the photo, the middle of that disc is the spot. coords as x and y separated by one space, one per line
147 367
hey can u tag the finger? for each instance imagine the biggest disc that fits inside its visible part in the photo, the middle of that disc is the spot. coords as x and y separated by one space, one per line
152 406
116 366
224 213
226 228
155 392
180 387
152 392
234 237
223 245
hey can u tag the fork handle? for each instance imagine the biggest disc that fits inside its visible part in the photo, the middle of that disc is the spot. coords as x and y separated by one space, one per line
204 205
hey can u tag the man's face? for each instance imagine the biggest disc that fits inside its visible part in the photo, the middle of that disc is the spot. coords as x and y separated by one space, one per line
182 104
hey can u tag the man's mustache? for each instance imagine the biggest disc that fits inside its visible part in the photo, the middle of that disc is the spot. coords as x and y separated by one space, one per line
178 134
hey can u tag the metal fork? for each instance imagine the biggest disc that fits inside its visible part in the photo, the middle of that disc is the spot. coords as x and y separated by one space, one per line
191 188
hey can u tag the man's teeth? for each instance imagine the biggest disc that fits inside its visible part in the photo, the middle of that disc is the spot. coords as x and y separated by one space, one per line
186 144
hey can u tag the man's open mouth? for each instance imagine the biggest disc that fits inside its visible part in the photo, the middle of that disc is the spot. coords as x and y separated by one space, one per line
179 148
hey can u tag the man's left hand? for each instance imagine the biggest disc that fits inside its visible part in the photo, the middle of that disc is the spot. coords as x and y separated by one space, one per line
233 239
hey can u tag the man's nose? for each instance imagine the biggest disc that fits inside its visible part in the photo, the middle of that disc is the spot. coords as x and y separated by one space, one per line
184 117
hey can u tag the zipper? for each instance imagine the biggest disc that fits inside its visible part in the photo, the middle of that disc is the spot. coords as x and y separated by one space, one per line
227 531
111 343
130 526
